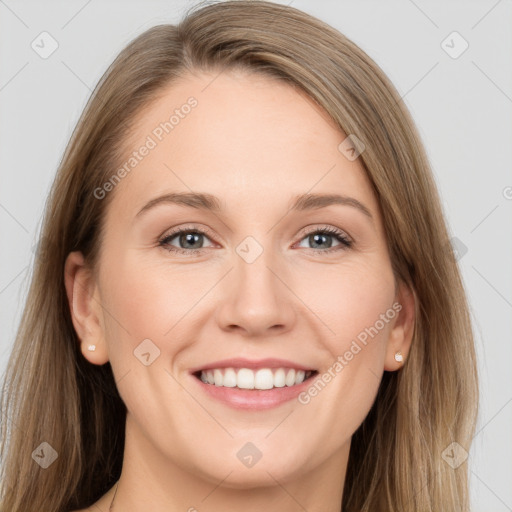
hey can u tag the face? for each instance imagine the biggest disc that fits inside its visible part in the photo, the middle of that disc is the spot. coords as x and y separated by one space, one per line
181 286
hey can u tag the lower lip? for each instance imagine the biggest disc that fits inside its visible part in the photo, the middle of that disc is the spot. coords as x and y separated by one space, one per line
254 399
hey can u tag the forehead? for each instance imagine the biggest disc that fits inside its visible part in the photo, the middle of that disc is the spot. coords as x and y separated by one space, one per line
240 136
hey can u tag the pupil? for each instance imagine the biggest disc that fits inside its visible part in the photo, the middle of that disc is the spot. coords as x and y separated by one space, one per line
319 236
189 237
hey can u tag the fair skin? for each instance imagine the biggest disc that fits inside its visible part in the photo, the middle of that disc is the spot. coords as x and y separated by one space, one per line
255 144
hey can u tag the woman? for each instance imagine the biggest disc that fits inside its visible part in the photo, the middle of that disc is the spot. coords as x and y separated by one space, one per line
315 336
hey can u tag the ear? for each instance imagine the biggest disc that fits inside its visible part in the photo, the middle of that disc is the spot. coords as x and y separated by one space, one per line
85 308
400 337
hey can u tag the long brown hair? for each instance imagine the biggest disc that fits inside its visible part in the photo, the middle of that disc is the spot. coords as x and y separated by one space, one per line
51 394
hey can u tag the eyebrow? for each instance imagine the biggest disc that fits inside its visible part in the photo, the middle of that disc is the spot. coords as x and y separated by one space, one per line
208 202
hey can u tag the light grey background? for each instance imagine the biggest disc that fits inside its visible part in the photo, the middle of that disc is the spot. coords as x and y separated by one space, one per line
461 105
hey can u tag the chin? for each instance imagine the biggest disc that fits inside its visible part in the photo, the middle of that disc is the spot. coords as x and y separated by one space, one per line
234 474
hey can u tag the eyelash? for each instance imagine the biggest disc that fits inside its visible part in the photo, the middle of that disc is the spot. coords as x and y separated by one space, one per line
339 235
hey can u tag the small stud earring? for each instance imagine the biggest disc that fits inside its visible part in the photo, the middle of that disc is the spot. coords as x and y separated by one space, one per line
91 348
399 357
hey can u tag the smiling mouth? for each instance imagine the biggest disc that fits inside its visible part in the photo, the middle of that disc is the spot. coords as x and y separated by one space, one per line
248 379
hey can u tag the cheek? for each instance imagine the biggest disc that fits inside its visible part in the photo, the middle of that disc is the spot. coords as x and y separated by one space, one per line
340 300
352 302
154 301
141 304
356 309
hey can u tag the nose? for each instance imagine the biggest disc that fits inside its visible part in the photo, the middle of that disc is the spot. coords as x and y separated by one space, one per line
256 300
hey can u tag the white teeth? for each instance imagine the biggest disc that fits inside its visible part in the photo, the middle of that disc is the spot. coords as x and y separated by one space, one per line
279 378
264 379
217 377
229 380
245 378
299 377
290 378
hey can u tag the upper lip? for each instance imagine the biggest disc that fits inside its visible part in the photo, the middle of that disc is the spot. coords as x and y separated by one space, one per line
240 362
